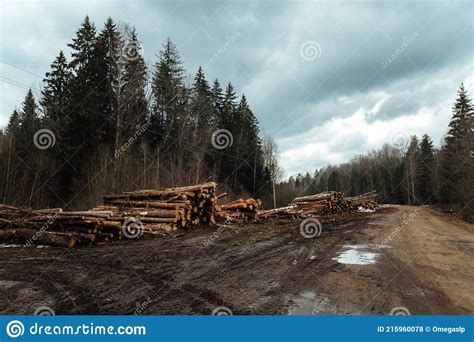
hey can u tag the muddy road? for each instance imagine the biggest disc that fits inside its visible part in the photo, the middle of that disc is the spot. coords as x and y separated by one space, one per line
401 258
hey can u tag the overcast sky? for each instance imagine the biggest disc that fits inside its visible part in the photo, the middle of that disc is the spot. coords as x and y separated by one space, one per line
327 79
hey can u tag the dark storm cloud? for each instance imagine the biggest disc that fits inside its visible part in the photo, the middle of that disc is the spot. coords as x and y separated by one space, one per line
388 60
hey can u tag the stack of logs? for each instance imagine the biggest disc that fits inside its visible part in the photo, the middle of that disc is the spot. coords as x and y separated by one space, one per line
53 227
126 215
364 201
240 211
323 204
165 210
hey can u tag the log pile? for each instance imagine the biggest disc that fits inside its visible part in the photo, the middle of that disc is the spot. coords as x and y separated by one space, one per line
289 212
364 201
325 203
329 203
240 211
54 227
165 210
127 215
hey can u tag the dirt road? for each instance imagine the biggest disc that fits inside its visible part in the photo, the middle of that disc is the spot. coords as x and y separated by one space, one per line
404 258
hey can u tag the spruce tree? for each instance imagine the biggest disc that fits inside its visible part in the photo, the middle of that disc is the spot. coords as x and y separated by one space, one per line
217 98
107 56
456 165
86 106
167 90
56 94
229 106
134 97
411 158
201 107
229 157
13 123
425 170
333 181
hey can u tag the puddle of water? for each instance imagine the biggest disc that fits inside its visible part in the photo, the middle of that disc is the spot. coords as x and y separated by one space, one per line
359 254
366 246
365 210
355 257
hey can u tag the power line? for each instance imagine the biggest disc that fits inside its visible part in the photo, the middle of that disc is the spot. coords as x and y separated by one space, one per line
22 69
18 84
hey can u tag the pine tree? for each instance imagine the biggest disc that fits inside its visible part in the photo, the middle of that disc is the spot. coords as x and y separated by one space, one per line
425 170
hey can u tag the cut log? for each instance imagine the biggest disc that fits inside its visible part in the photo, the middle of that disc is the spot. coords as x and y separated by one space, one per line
34 237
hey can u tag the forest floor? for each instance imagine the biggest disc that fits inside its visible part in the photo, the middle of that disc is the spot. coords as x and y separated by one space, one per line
413 258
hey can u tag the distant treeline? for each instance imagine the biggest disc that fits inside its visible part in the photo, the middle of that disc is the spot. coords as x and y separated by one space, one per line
102 125
410 173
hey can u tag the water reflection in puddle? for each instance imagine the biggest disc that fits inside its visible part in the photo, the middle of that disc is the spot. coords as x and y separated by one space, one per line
359 254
